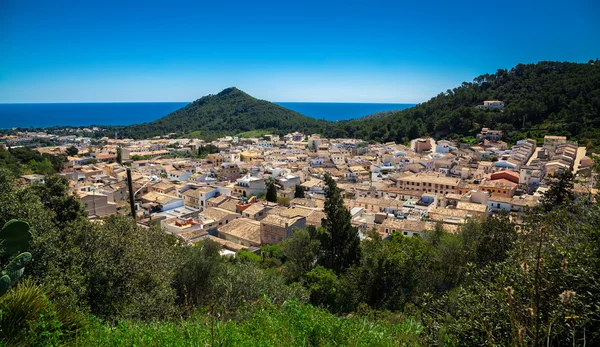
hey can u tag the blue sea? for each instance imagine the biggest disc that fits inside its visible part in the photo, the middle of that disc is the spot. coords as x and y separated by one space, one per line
333 111
126 113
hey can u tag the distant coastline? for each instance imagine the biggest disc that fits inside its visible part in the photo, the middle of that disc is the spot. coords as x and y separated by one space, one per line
44 115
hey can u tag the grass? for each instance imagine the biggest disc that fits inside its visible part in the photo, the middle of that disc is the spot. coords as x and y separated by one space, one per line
470 140
196 134
253 133
294 324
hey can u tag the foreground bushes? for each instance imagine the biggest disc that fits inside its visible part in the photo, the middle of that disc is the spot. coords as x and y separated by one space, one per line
28 318
259 324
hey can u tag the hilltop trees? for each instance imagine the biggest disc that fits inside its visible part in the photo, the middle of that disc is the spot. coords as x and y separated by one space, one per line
545 98
229 112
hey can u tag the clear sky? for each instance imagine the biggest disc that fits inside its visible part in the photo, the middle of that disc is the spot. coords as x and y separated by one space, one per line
346 51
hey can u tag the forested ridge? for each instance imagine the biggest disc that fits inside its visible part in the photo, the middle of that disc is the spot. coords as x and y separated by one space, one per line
557 98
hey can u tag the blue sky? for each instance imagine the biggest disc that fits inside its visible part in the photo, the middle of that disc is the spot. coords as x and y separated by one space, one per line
345 51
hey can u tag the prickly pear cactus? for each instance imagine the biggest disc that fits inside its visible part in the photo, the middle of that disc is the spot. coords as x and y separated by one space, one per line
14 238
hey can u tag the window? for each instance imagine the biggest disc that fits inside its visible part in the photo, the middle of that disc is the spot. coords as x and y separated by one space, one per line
405 233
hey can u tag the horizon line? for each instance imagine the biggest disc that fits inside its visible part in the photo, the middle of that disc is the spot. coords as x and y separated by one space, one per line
165 102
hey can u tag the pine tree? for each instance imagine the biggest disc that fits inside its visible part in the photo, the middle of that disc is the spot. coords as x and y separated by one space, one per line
340 243
271 192
299 193
560 191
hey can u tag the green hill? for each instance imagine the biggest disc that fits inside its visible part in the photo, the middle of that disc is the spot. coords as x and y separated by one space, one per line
544 98
228 113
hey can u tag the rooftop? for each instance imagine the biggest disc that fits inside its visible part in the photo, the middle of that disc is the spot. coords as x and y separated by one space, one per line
243 228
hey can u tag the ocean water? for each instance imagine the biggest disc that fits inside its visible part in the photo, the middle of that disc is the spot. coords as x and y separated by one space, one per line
82 114
126 113
333 111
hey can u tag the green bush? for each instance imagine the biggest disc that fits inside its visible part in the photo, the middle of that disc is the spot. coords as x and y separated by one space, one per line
27 317
265 324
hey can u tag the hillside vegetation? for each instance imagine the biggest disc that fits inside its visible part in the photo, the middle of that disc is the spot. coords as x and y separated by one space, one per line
544 98
228 113
261 324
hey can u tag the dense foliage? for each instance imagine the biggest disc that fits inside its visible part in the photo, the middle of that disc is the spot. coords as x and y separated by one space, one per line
23 160
553 98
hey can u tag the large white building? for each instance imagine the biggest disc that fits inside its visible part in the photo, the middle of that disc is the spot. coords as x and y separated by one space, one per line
250 185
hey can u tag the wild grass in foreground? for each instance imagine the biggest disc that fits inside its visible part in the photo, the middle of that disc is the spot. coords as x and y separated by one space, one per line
294 324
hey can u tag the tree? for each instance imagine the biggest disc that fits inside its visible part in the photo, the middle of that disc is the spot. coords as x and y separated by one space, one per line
545 292
340 243
119 155
283 201
488 240
299 193
300 250
201 265
54 195
390 270
271 192
72 151
325 288
561 190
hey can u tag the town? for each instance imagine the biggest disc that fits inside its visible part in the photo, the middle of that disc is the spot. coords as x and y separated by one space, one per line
217 190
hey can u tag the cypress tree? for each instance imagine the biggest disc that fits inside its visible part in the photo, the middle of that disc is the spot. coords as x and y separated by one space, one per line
299 193
119 155
340 242
271 192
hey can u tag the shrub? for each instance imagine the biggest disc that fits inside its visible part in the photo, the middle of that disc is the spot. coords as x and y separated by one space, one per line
28 317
